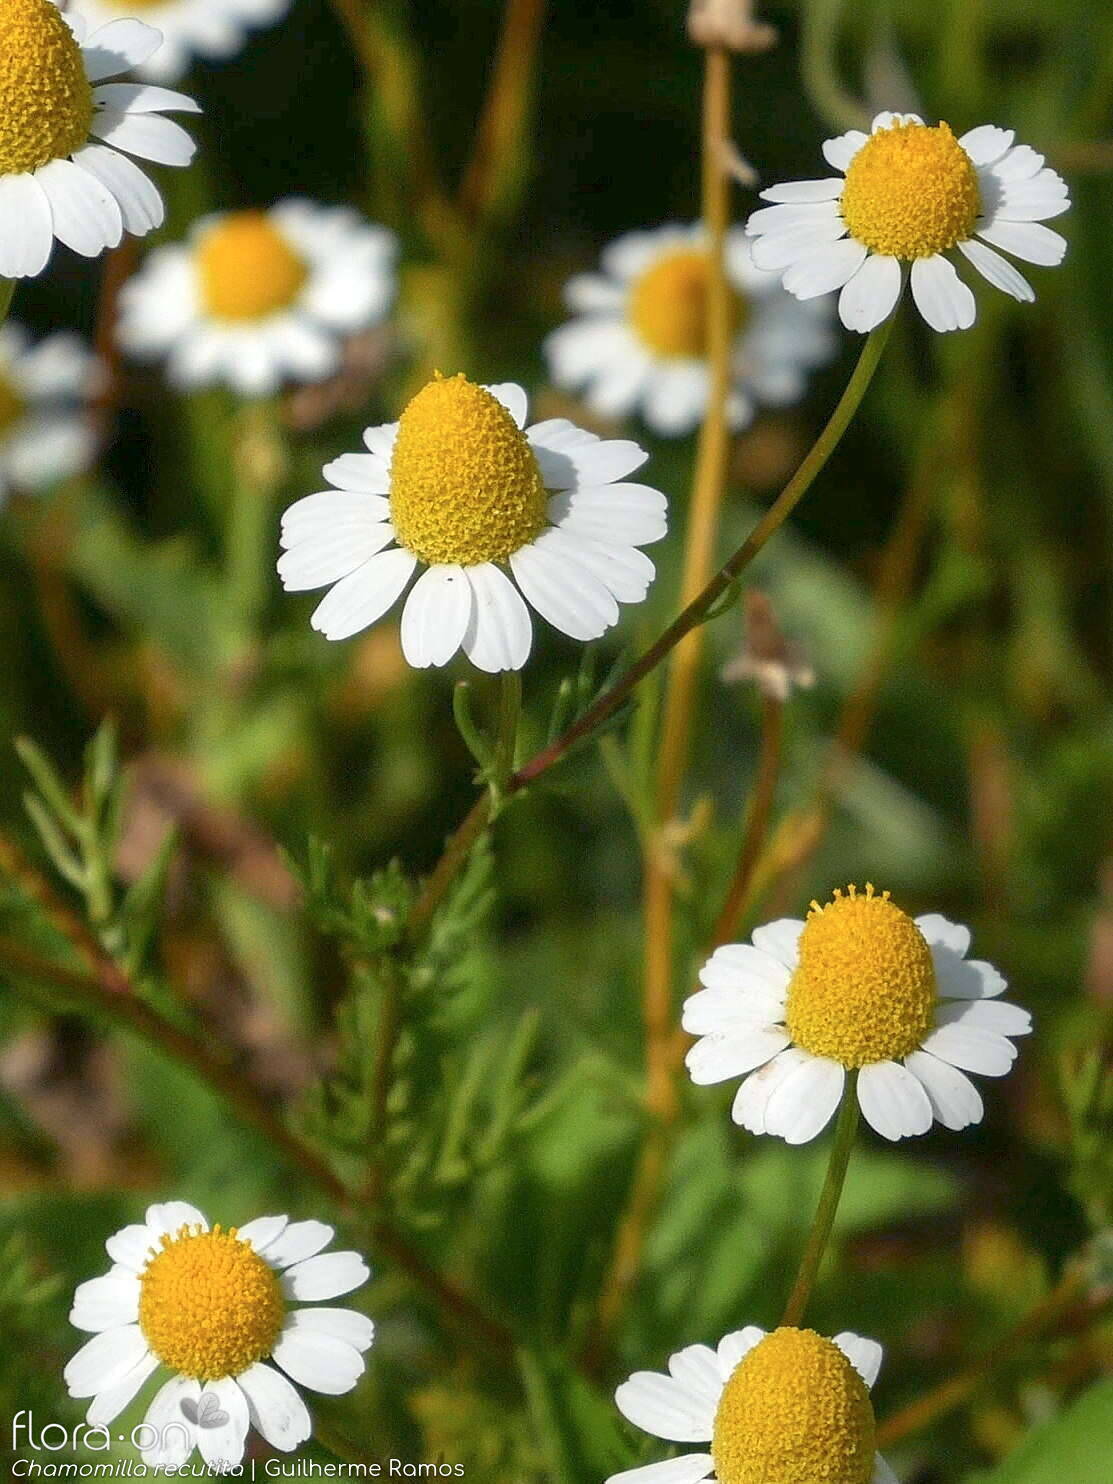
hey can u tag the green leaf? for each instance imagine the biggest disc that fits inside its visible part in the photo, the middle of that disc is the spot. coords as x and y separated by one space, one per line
1074 1446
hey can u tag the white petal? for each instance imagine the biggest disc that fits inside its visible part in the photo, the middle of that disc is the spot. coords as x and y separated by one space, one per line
436 616
364 473
1021 163
1028 240
871 295
780 939
137 197
592 293
26 228
165 1425
148 135
790 218
624 571
222 1445
1045 195
717 1058
938 929
719 1010
131 1247
986 143
666 1408
104 1360
118 47
325 1277
751 1102
840 151
994 268
380 440
882 1473
892 1100
140 97
276 1409
263 1231
332 554
955 1101
941 296
107 1405
342 1324
888 120
300 1240
318 1360
972 1050
513 398
106 1303
734 1348
806 190
327 509
85 213
499 632
569 459
775 251
825 270
632 514
696 1367
689 1468
569 597
864 1355
364 595
171 1216
986 1015
746 968
803 1104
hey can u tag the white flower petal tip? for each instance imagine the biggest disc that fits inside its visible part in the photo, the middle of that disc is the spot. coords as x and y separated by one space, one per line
752 1019
256 300
256 1354
633 349
840 233
570 550
691 1403
86 194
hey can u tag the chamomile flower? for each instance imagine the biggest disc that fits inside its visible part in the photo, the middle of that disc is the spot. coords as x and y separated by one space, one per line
639 341
462 488
212 29
45 434
907 195
63 127
253 298
791 1407
213 1307
860 987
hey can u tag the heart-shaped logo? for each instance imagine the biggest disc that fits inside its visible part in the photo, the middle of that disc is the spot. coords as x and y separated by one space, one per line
206 1411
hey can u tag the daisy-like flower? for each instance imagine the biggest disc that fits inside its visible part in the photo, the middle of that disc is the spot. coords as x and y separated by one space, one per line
213 29
213 1307
861 987
255 297
460 486
910 194
640 337
62 130
45 434
791 1407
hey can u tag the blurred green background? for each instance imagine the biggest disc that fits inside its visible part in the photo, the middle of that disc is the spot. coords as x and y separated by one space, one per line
950 579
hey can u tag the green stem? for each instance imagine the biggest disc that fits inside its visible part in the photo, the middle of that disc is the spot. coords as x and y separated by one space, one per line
845 1130
510 711
259 456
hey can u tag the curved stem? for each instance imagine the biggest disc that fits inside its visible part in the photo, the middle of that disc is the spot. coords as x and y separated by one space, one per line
819 68
845 1129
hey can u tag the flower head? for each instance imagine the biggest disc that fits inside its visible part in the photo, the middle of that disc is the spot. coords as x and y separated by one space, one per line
460 485
212 29
639 339
790 1407
859 986
909 194
253 297
213 1307
45 434
56 180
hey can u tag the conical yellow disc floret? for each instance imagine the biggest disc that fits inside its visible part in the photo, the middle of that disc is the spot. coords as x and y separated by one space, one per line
864 989
668 305
209 1306
247 269
911 191
795 1411
46 103
464 484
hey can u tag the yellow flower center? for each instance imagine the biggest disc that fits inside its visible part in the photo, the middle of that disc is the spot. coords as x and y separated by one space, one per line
46 103
864 989
911 191
12 405
668 305
464 484
209 1306
795 1411
247 268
